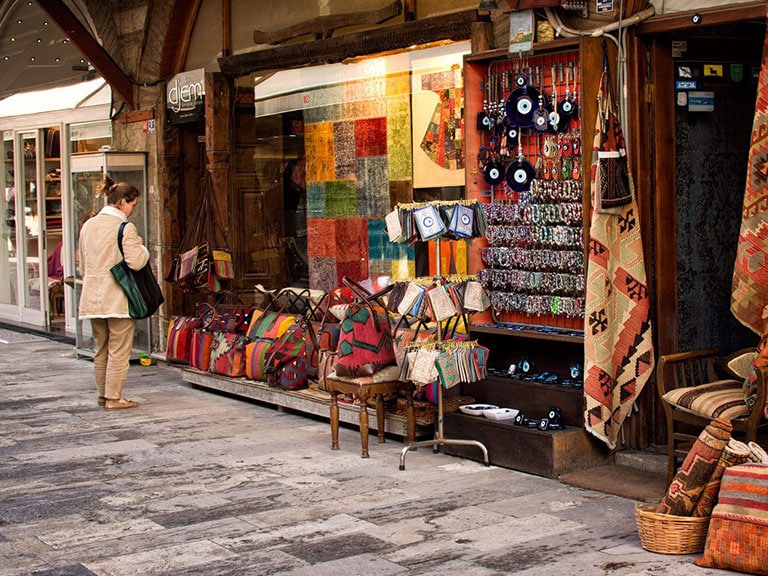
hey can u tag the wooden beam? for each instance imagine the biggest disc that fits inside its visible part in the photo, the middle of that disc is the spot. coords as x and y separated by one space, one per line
226 27
665 205
90 49
707 17
325 26
456 26
177 38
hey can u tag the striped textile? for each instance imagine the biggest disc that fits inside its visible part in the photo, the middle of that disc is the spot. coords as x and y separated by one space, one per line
738 532
735 453
721 399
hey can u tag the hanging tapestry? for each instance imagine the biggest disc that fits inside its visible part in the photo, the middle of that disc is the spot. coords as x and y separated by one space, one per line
749 297
618 343
438 123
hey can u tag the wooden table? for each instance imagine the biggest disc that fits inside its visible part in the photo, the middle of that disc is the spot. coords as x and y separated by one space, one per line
363 388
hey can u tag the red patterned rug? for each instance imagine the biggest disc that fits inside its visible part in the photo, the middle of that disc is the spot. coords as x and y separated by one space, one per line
749 298
618 345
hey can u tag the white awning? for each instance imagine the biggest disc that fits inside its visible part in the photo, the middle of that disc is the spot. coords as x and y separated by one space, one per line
314 86
92 96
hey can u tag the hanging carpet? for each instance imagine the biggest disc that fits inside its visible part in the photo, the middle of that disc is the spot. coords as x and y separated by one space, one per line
618 343
749 297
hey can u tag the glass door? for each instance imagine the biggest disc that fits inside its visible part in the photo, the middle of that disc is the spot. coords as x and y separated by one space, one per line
30 229
8 253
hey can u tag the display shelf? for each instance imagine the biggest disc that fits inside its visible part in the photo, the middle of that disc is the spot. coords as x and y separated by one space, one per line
534 332
547 453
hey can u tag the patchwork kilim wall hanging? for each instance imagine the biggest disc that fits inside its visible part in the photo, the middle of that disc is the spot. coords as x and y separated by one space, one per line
358 166
749 299
617 333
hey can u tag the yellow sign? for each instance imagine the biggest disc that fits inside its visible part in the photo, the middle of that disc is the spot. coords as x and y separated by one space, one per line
713 70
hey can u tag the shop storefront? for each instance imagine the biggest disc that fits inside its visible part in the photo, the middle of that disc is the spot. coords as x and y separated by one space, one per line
42 133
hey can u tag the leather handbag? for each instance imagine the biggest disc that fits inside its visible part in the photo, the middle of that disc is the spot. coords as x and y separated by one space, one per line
365 338
140 286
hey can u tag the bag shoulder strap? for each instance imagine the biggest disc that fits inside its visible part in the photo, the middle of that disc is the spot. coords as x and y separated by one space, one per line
120 238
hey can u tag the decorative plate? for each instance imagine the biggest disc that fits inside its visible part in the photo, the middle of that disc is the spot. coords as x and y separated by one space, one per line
500 413
476 409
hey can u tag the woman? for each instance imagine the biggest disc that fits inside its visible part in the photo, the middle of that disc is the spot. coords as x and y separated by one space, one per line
102 300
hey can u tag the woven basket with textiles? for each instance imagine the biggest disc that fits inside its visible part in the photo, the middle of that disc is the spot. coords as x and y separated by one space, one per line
668 534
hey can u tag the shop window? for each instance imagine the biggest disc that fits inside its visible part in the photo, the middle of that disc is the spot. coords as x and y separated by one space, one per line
90 137
331 158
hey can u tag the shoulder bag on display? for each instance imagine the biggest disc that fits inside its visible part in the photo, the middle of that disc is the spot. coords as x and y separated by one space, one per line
365 339
140 286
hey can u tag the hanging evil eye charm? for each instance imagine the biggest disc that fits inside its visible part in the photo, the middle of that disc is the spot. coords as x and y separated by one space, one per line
525 366
575 371
493 173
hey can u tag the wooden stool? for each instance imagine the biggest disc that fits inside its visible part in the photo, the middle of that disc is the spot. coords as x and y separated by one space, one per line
383 382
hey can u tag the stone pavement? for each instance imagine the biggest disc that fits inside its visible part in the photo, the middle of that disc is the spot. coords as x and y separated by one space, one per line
196 483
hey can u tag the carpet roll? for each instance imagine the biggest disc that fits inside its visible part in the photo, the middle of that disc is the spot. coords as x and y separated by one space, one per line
685 490
734 453
757 454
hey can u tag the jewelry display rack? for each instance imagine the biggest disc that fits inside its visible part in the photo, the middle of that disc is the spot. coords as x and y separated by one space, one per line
440 439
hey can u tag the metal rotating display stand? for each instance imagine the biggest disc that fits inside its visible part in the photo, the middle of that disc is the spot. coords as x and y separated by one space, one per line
440 439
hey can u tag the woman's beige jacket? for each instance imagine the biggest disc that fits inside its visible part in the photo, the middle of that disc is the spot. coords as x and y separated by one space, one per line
102 296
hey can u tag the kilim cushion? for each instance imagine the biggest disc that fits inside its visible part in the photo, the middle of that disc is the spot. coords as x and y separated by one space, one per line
742 364
721 399
738 532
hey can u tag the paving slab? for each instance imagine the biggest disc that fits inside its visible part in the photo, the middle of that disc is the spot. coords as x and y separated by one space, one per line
199 483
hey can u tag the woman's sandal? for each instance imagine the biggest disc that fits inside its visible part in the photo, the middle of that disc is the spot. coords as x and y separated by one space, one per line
119 404
102 400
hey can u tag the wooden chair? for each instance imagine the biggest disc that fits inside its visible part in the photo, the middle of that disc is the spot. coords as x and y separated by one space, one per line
698 386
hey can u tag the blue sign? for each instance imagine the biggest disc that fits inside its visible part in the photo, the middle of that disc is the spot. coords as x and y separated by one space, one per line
686 84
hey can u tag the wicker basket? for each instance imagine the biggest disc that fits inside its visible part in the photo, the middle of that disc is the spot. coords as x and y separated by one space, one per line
668 534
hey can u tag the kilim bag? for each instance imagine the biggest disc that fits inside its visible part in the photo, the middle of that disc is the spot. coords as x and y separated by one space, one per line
365 339
270 325
187 262
179 340
200 349
228 354
256 358
222 264
286 361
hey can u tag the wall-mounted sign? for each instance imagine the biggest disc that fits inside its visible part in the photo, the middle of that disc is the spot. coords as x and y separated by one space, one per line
701 101
521 31
184 97
604 6
685 84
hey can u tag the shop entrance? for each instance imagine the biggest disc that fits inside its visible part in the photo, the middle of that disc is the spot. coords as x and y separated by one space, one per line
31 285
715 80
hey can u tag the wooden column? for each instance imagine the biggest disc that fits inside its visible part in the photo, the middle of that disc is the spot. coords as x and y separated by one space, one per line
168 180
218 145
